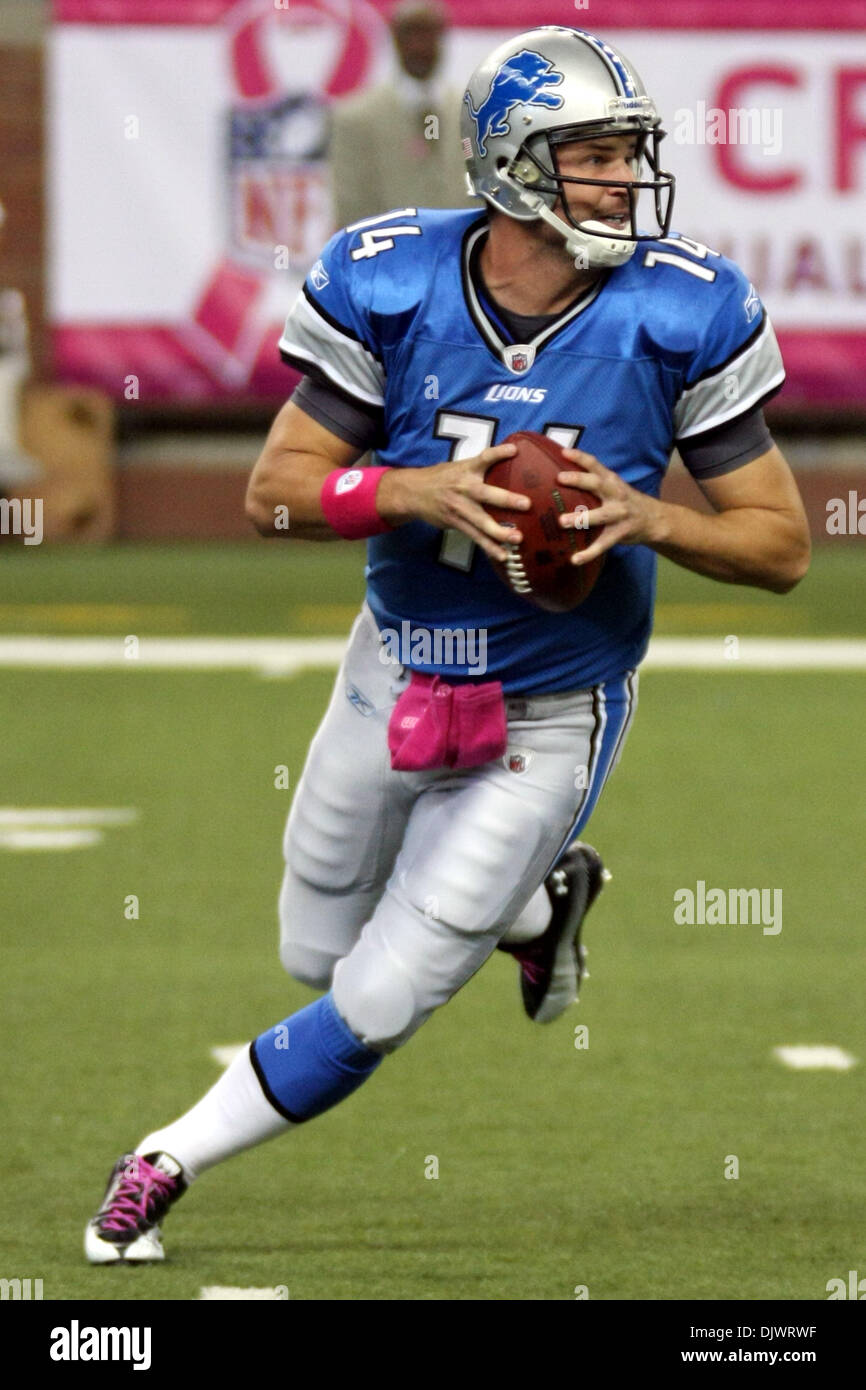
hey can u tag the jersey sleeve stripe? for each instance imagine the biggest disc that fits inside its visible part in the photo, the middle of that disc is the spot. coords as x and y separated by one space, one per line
303 359
341 328
754 374
309 338
743 406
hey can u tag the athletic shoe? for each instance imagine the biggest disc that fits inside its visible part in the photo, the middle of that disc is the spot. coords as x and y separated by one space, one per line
553 965
139 1193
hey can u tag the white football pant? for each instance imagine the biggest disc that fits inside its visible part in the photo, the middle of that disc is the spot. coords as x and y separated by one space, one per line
399 885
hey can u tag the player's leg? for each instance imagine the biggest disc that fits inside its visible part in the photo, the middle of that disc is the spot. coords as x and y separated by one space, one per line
325 1062
546 938
552 958
347 817
343 833
477 846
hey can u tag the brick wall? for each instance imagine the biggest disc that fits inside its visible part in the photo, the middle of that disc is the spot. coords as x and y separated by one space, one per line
22 240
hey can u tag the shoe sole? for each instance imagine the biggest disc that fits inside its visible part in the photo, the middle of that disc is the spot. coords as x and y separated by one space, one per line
145 1249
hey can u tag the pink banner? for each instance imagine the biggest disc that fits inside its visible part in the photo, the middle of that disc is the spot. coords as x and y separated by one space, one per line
170 209
826 369
519 14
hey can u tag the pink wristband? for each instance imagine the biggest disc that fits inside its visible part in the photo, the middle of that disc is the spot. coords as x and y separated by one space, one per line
349 502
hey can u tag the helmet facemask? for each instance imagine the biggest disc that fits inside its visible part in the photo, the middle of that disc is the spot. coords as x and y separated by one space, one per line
535 175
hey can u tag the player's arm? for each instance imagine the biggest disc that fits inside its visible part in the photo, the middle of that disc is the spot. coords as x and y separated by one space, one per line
300 453
757 535
297 457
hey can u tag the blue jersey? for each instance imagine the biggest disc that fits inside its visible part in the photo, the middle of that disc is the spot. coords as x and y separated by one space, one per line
671 344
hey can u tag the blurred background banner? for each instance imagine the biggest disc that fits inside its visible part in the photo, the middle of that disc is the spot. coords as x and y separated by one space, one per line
189 190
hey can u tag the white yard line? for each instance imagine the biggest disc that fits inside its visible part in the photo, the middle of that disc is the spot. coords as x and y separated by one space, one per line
25 828
22 840
66 815
268 655
234 1293
757 654
287 656
809 1058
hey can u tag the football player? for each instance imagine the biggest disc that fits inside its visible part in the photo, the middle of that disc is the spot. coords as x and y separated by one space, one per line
442 796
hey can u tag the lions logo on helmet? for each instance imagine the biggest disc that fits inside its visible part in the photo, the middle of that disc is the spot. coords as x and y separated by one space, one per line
519 82
550 87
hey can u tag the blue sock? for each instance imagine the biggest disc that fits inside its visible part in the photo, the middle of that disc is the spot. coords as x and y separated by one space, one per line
310 1061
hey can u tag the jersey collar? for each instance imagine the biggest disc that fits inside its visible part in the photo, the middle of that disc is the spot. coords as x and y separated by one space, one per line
516 357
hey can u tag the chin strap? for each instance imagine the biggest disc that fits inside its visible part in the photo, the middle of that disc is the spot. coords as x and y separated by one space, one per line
589 249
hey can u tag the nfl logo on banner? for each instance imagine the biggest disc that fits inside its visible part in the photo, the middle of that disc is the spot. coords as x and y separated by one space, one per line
278 181
288 62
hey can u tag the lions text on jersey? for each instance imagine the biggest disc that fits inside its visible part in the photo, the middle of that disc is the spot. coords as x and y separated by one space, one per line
670 345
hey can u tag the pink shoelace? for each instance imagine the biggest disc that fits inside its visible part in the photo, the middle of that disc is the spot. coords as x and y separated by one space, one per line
531 967
142 1194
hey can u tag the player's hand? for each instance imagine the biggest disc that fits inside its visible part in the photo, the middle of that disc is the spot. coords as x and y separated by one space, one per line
454 495
627 515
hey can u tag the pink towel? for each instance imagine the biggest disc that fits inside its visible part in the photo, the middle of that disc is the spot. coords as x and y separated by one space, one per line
434 724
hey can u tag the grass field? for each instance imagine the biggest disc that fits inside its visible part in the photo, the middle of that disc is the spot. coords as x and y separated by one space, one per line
559 1166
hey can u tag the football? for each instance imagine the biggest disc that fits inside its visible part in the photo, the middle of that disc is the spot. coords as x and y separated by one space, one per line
539 567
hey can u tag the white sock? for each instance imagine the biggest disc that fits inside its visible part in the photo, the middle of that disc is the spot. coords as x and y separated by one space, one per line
234 1115
533 920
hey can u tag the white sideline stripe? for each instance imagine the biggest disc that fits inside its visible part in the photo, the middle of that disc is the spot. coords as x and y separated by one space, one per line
67 815
283 655
24 828
757 654
226 1054
286 656
803 1058
49 839
233 1293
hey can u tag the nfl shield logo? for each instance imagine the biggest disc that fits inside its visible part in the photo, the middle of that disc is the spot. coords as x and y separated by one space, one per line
518 359
517 761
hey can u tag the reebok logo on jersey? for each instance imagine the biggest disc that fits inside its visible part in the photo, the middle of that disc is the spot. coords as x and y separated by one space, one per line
531 395
752 304
319 276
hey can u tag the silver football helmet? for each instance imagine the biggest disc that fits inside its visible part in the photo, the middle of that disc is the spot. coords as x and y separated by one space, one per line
547 88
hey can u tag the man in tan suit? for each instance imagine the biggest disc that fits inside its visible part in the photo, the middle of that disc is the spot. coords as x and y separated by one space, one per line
398 144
